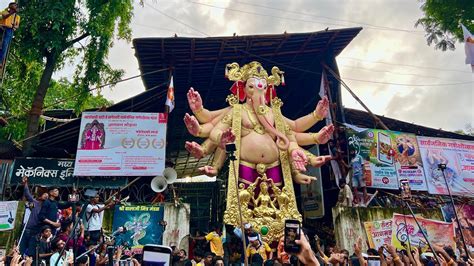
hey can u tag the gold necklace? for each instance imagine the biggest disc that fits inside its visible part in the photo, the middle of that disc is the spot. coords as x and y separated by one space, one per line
257 127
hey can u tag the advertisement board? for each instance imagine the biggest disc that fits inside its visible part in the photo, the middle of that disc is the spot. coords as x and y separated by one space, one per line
378 233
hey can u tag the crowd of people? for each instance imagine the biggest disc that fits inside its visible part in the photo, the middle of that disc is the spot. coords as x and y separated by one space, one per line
46 240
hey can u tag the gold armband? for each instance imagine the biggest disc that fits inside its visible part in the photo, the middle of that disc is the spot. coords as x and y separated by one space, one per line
315 137
396 258
451 262
199 111
316 116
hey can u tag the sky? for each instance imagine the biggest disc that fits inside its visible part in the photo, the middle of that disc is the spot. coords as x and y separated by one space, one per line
389 36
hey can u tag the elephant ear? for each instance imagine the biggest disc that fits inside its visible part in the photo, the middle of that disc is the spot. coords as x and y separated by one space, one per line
270 94
238 88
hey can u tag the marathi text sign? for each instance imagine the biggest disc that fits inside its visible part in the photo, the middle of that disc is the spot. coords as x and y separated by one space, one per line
7 214
404 229
39 171
121 144
378 233
387 156
142 223
458 155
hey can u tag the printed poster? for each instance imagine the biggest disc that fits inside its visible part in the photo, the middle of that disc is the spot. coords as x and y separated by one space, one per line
386 157
458 155
404 229
121 144
142 226
8 214
312 194
378 233
466 218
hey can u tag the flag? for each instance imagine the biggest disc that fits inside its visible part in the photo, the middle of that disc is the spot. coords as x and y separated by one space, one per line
468 46
170 96
334 165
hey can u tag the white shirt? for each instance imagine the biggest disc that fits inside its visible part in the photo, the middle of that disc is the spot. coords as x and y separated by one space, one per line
94 220
61 262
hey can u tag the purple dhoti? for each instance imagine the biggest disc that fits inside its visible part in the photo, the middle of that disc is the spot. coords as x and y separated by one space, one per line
248 173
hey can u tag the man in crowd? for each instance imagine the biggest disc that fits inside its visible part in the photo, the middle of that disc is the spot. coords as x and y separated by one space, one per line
94 217
49 210
9 22
44 243
63 259
31 228
257 246
345 196
215 240
248 229
208 258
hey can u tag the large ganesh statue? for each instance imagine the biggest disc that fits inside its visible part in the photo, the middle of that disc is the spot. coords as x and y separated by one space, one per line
268 152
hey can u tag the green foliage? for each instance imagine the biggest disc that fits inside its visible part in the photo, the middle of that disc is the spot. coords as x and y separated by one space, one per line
51 34
18 93
442 21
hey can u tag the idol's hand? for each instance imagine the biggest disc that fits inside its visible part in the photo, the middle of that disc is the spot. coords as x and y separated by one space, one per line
194 100
322 107
195 149
226 138
299 160
192 125
208 170
324 135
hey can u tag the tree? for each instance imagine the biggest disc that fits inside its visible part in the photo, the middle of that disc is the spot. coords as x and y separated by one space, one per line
442 21
17 95
51 34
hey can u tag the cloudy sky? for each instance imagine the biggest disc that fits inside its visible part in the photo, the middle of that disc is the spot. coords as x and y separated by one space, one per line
388 36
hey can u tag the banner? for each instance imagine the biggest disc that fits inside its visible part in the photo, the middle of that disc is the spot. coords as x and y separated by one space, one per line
46 172
378 233
7 214
142 223
387 156
121 144
458 155
404 229
466 218
57 172
312 194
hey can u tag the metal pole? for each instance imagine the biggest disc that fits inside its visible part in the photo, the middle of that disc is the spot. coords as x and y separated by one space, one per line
442 167
423 232
232 161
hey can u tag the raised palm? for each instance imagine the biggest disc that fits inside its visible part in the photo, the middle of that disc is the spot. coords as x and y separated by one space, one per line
194 100
322 107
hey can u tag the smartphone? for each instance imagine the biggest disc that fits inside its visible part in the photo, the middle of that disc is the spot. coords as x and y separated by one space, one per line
156 255
405 190
373 261
292 233
383 148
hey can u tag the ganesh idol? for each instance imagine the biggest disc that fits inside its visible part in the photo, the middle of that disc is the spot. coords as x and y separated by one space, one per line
269 157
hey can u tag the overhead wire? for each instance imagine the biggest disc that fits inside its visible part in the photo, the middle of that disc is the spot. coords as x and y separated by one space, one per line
309 71
297 19
330 18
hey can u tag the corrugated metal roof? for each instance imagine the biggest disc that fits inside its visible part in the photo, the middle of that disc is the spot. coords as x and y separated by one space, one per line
199 62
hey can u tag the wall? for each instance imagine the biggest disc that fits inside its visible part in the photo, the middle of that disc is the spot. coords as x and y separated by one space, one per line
177 230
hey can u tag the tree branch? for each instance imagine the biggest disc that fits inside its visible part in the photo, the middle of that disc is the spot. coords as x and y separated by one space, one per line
77 39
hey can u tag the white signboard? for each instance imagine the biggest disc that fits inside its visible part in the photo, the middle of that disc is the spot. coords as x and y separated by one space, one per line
8 214
458 155
121 144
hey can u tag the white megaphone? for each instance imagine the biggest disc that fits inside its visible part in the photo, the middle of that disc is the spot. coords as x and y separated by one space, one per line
158 184
170 175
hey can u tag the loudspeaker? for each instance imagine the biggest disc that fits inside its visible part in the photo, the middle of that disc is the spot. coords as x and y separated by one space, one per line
170 175
159 184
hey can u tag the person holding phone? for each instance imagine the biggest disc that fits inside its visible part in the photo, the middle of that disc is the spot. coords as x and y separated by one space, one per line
49 209
94 217
32 226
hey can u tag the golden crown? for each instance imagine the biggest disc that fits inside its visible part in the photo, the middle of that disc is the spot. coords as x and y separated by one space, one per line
253 70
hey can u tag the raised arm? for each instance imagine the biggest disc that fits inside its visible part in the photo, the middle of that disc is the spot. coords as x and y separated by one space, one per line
195 103
304 123
26 190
